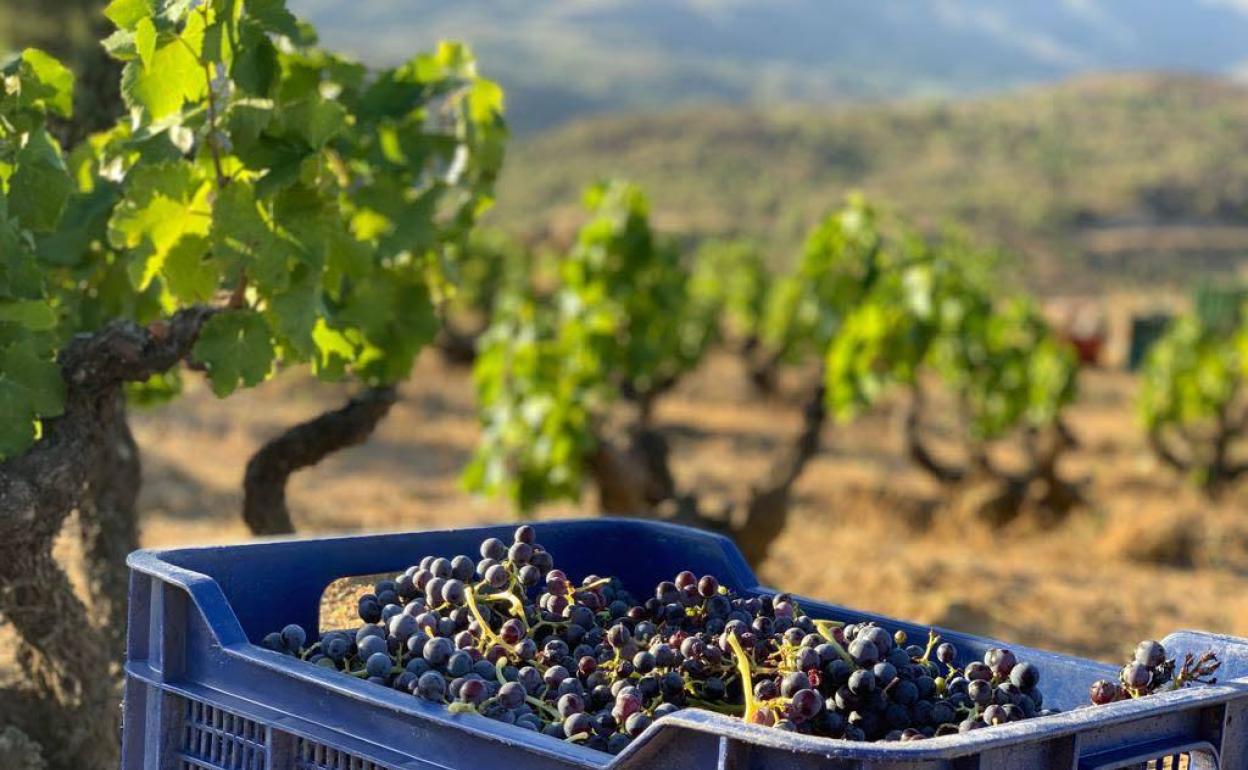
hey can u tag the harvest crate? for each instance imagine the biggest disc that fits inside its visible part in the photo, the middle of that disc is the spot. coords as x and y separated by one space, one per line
201 694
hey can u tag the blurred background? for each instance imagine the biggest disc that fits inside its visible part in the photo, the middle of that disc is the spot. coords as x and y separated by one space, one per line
1101 144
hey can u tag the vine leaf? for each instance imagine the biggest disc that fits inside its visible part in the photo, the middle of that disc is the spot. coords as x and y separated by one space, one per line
241 235
36 315
273 16
40 187
295 311
162 204
170 75
126 14
31 389
48 83
235 348
191 276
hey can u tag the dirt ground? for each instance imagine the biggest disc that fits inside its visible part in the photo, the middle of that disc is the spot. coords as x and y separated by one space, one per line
1147 555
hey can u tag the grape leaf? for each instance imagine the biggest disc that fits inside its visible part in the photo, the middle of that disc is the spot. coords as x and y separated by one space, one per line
273 16
295 311
85 220
31 389
234 346
47 83
334 351
315 119
346 258
171 76
35 315
19 275
247 119
189 274
255 66
127 13
40 187
120 45
162 203
145 41
240 234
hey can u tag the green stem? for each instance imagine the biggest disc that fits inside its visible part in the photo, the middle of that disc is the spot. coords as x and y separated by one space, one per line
932 640
517 607
543 705
747 681
488 632
831 640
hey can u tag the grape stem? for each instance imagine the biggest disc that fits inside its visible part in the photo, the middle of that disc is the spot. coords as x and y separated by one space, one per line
517 607
822 627
747 681
543 705
933 639
488 632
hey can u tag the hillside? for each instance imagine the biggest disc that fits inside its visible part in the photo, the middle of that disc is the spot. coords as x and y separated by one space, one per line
563 59
1132 176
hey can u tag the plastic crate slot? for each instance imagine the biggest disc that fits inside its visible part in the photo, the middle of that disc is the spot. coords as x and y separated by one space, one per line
216 739
317 756
1197 755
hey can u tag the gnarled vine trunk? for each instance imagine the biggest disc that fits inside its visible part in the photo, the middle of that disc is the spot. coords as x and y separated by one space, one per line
302 446
68 650
767 511
996 495
916 444
638 481
108 524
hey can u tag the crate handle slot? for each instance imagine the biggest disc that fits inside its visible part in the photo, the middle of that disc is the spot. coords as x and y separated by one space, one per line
1153 755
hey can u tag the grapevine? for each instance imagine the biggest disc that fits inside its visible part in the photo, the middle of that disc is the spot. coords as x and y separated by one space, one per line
264 204
1191 400
937 315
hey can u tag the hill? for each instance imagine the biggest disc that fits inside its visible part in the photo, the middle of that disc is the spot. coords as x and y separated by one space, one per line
1133 176
561 59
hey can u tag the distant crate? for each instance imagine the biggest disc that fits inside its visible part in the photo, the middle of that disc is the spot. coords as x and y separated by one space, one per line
202 695
1145 331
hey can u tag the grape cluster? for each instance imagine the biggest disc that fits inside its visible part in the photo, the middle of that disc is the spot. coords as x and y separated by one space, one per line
512 638
1151 670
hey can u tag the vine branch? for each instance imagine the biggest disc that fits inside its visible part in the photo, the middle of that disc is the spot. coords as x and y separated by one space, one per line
302 446
916 445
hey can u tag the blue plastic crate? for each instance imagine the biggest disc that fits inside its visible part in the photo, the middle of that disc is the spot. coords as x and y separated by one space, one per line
202 695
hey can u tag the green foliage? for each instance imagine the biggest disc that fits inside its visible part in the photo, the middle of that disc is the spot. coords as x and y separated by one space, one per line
1192 375
541 377
33 185
936 307
320 204
488 266
618 260
841 260
622 318
733 274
